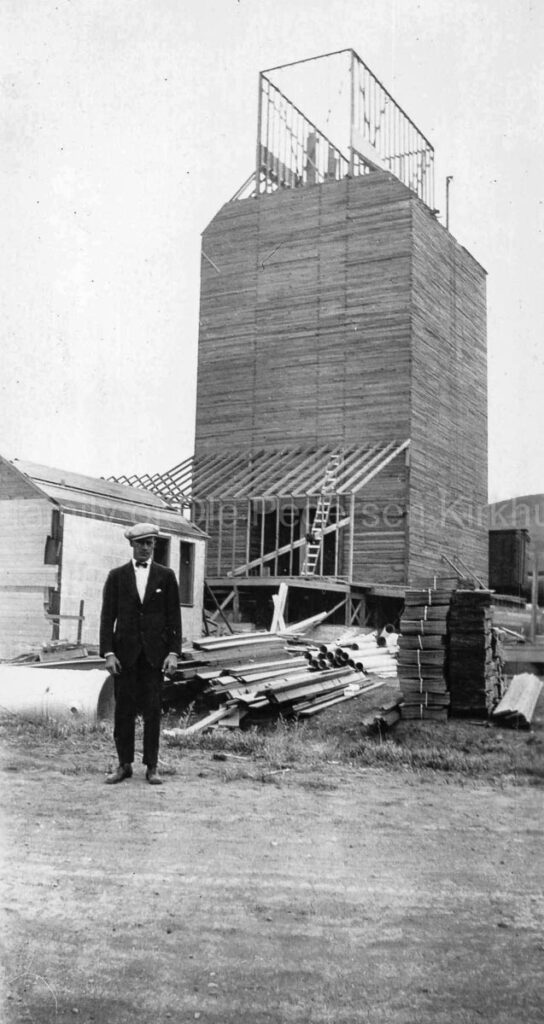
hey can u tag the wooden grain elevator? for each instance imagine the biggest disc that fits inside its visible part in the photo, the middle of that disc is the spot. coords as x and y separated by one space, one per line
341 424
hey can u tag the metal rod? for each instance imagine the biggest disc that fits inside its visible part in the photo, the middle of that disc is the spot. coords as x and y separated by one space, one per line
259 139
351 115
449 180
308 60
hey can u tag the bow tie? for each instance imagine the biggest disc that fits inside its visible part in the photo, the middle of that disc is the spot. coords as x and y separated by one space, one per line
141 565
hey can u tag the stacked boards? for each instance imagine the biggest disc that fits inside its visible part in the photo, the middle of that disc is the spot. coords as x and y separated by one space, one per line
475 666
449 654
422 659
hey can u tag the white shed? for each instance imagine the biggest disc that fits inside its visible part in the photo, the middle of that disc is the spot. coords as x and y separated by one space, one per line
61 534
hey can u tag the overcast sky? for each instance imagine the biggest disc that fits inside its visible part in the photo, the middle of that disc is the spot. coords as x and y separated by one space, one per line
126 124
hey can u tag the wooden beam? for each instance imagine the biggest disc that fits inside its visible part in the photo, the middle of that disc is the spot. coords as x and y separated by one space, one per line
248 530
220 539
277 535
382 465
322 583
219 608
224 604
314 620
279 601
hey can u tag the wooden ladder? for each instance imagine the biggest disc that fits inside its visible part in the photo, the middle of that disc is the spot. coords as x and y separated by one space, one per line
321 517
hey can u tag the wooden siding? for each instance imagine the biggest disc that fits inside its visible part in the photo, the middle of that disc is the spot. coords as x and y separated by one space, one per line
25 523
345 314
379 541
14 485
305 318
448 467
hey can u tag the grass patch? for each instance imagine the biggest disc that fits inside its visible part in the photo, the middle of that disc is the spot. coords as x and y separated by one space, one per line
272 753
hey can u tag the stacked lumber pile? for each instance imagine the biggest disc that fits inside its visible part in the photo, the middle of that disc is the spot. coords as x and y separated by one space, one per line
423 653
262 675
475 666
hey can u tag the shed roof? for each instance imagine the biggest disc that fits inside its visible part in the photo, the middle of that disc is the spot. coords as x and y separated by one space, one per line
105 499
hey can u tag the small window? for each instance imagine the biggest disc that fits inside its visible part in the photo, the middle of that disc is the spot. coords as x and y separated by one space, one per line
161 553
53 542
186 572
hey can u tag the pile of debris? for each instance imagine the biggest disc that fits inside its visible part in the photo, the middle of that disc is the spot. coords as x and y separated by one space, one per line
258 676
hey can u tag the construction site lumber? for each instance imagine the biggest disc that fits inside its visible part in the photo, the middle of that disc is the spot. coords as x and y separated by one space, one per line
518 705
421 667
474 665
261 678
449 652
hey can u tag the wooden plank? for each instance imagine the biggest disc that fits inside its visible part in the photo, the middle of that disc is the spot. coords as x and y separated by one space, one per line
279 599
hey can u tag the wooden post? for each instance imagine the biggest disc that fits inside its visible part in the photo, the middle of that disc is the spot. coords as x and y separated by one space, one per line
277 535
534 595
351 536
220 539
234 524
80 621
337 536
291 535
248 533
207 561
236 605
262 533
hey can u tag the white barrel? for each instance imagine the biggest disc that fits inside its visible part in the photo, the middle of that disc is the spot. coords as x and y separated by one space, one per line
55 693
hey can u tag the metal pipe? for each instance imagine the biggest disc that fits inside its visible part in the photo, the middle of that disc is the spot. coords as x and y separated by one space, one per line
449 180
56 693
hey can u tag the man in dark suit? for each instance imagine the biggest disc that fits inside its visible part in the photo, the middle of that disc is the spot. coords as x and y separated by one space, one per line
140 638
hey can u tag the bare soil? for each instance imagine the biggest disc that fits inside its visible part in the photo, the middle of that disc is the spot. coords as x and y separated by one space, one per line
341 895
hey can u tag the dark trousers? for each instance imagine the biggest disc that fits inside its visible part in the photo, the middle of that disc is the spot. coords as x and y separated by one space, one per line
138 691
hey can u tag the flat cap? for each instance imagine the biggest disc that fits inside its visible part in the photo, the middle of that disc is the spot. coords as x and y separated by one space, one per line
140 530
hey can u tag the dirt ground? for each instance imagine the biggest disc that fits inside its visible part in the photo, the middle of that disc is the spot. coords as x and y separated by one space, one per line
346 896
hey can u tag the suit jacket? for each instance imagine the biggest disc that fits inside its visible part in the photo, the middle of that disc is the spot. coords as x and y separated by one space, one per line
129 626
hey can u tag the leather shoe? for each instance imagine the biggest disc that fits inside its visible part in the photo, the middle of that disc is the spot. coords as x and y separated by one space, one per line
153 777
124 771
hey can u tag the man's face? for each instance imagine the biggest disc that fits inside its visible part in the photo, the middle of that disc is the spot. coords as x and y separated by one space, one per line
143 548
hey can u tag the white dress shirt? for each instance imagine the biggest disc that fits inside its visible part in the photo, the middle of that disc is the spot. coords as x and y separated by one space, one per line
142 575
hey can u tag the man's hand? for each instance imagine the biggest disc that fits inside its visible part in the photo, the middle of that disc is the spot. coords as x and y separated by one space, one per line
170 664
113 665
